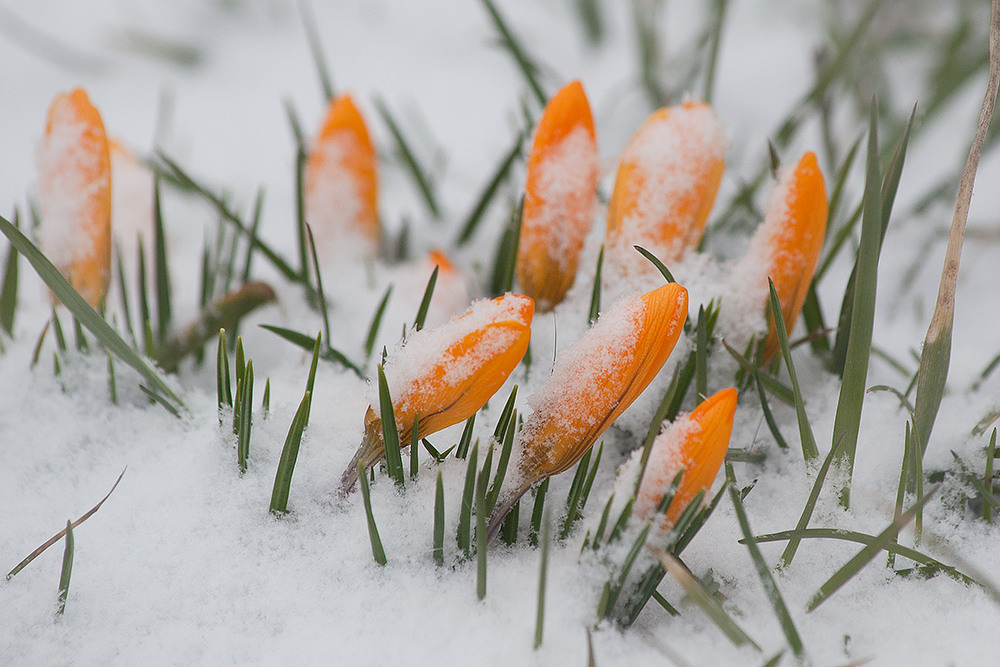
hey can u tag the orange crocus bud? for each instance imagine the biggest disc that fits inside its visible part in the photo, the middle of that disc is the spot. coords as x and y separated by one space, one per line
341 185
442 376
666 184
697 443
74 169
788 243
559 195
593 382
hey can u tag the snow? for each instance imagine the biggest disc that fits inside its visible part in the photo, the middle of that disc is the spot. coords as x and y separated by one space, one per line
184 565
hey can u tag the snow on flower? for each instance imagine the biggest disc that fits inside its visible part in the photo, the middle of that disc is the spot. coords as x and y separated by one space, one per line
341 184
442 376
559 195
667 180
696 443
74 194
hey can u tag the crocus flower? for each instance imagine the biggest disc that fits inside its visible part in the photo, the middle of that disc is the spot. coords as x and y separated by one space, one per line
74 194
442 376
666 184
559 196
593 382
697 443
787 244
341 185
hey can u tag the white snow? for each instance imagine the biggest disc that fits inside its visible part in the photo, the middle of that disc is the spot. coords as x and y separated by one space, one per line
184 565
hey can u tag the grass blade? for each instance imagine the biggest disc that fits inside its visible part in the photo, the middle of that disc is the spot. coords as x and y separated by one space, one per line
524 63
863 557
767 580
595 295
87 316
438 550
419 174
289 455
378 553
307 342
316 49
160 267
376 323
8 292
390 432
245 400
506 259
425 302
481 541
988 478
543 571
320 296
660 266
67 568
464 535
489 191
808 440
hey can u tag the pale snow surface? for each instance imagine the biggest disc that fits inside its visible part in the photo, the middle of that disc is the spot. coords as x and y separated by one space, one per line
184 565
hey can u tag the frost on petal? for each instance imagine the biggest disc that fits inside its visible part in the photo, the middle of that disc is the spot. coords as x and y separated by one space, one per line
667 180
74 194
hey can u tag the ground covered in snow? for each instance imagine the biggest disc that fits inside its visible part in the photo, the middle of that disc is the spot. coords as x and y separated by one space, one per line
185 565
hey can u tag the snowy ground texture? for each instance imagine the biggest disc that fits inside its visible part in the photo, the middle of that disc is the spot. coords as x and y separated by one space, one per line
185 565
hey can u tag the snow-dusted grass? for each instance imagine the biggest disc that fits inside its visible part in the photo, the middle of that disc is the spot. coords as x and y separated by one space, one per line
184 564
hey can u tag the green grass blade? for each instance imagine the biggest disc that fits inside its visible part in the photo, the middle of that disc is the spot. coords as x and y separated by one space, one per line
595 294
704 599
482 542
258 212
537 511
863 557
772 425
508 531
390 432
425 302
223 388
508 446
847 422
245 392
489 191
289 455
67 568
161 267
660 266
528 69
506 258
8 292
767 580
775 387
808 440
316 49
307 342
438 551
464 534
378 553
87 316
543 572
320 296
701 355
715 39
376 323
414 449
409 158
988 477
466 440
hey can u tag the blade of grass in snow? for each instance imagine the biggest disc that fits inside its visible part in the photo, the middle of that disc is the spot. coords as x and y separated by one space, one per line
489 191
703 599
390 432
776 387
793 544
528 69
8 292
573 497
425 302
767 580
58 536
316 49
701 355
258 211
935 357
507 437
715 39
772 425
863 557
414 449
306 343
617 583
543 571
376 323
87 316
464 535
988 477
482 543
161 267
378 553
595 295
438 550
320 296
123 294
537 511
508 530
506 258
289 455
847 421
808 441
67 568
466 440
245 410
417 172
112 380
660 266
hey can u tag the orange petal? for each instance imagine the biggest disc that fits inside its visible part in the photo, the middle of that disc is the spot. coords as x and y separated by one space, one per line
75 194
697 443
341 185
792 237
666 184
559 194
597 378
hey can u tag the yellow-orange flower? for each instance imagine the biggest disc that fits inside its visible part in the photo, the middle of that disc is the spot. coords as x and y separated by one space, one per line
593 382
667 180
697 443
442 376
75 194
341 184
559 195
789 241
